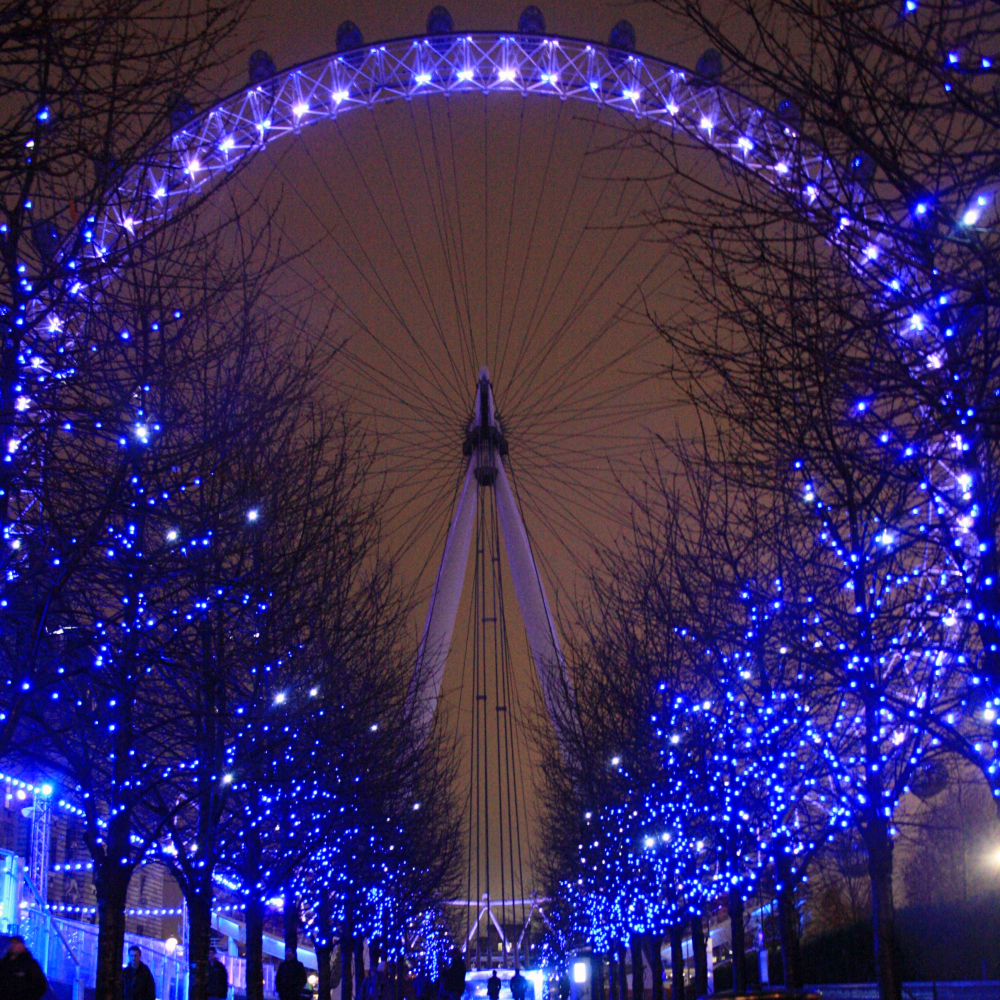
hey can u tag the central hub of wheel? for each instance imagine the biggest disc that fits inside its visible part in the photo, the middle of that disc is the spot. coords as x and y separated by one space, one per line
485 438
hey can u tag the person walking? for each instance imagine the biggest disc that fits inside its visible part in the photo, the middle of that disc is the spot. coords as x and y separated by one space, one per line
454 977
518 985
218 978
493 986
21 977
137 980
291 977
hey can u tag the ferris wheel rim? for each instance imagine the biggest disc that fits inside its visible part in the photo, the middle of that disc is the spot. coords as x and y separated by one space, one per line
666 95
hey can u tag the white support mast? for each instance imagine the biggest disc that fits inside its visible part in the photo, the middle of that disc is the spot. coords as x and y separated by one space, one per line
486 447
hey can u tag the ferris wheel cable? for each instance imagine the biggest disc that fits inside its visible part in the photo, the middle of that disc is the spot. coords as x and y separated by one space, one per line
430 303
338 302
386 298
532 229
453 249
570 199
507 241
456 387
539 311
585 296
600 334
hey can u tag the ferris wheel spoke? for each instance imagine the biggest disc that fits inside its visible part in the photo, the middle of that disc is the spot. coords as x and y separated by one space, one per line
371 274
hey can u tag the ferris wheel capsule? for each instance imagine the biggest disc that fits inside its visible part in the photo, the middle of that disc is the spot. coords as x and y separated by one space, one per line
349 42
621 41
440 27
530 25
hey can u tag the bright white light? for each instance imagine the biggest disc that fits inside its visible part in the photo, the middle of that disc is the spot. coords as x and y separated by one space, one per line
16 544
707 123
465 75
22 404
917 322
12 445
193 167
422 78
675 739
279 698
649 842
374 727
615 761
632 95
55 323
971 217
416 807
227 779
964 480
300 109
172 535
934 361
142 433
551 78
46 790
579 972
252 515
672 108
340 96
507 75
313 692
160 192
781 168
227 144
885 538
744 143
129 224
871 252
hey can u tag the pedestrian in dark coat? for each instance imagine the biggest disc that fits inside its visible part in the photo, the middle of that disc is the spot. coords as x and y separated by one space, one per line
493 986
291 977
518 985
218 978
21 977
454 976
137 980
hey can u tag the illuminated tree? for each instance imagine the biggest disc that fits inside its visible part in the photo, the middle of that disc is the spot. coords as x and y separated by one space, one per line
86 90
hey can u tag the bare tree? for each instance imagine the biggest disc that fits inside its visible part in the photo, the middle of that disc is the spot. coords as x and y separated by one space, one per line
86 90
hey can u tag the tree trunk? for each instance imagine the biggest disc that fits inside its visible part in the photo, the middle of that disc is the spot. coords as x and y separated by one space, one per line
622 974
698 946
255 949
111 883
788 925
638 970
323 942
199 902
738 932
653 942
359 965
879 845
291 922
599 977
346 977
677 962
612 976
